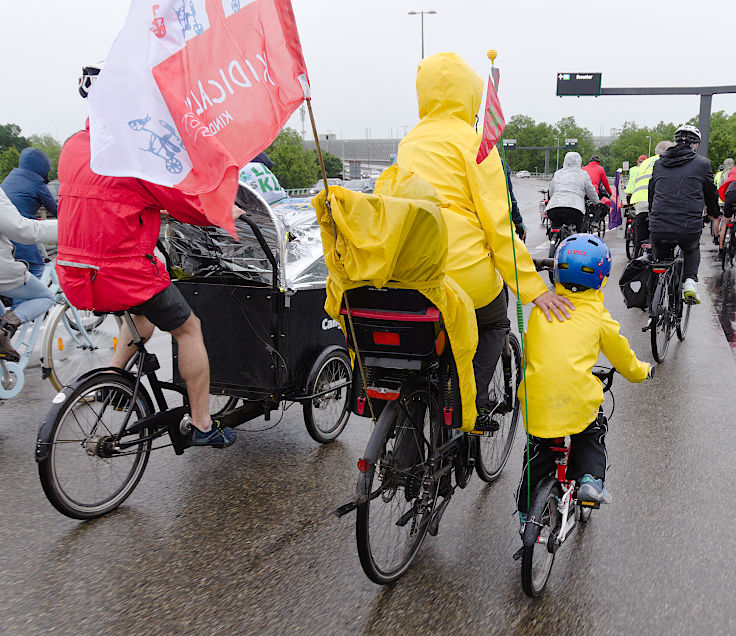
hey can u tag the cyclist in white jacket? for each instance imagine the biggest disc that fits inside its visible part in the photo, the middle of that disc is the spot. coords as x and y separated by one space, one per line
15 279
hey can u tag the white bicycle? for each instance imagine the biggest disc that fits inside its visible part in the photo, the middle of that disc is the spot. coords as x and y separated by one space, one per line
72 341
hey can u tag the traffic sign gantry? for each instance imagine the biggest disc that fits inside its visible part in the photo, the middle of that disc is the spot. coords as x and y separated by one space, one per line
578 84
509 143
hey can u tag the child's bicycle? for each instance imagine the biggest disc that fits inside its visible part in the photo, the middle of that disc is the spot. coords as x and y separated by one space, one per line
554 512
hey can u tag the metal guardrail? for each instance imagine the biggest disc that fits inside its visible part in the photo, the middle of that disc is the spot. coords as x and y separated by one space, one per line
299 192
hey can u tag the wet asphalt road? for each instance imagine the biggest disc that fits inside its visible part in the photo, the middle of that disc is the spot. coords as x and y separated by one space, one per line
242 540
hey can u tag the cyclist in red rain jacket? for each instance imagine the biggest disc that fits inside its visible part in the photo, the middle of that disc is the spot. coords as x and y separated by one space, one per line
108 227
597 174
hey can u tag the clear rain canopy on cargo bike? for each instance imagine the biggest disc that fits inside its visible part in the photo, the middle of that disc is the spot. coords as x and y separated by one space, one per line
261 303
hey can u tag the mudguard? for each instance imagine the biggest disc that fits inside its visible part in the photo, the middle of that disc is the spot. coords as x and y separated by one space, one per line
45 430
386 419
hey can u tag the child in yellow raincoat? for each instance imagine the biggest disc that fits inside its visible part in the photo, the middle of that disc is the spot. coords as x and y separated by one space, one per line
564 397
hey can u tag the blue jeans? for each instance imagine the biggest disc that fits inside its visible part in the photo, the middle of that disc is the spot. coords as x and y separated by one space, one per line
31 255
36 299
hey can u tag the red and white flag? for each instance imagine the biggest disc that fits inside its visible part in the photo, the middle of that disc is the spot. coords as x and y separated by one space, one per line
493 122
192 90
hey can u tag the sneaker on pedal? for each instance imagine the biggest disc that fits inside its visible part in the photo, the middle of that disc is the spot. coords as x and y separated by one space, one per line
485 422
592 489
217 437
690 292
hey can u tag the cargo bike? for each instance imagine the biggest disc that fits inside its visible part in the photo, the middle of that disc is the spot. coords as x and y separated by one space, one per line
269 340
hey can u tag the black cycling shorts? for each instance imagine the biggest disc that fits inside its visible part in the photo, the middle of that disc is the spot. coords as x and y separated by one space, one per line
167 310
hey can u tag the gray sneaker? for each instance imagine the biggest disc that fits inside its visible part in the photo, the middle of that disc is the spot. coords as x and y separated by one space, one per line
592 489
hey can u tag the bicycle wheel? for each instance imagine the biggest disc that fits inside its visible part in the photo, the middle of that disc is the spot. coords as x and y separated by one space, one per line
661 325
494 448
601 231
68 352
221 404
539 532
683 316
88 319
84 474
325 416
629 243
725 251
392 524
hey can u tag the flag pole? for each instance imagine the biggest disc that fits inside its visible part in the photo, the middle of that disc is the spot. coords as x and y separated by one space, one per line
334 234
319 152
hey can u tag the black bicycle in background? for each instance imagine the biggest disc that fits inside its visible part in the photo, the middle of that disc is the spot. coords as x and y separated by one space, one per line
668 312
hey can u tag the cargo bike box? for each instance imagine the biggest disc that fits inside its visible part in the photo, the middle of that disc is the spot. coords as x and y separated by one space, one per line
261 305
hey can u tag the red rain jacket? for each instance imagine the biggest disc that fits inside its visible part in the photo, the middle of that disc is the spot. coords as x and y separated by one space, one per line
108 227
597 175
730 178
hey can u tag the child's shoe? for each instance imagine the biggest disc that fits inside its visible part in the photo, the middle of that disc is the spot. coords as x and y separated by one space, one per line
592 489
522 522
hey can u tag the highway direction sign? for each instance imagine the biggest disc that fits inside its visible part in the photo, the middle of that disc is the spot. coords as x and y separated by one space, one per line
578 84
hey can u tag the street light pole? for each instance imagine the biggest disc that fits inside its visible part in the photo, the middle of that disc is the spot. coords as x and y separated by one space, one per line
557 139
649 154
421 13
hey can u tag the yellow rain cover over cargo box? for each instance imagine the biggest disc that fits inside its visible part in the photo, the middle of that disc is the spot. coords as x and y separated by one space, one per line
398 238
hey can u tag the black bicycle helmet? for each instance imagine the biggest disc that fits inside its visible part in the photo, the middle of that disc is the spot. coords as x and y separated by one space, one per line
595 158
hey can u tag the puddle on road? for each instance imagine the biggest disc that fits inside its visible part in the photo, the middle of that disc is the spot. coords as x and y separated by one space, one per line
722 288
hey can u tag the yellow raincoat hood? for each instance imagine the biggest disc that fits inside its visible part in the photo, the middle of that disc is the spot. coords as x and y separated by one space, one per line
448 88
441 149
398 238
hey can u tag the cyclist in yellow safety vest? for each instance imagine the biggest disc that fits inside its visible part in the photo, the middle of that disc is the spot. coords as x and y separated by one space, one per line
633 173
640 191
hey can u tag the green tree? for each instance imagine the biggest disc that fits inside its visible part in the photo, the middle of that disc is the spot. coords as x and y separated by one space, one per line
293 166
8 160
51 147
10 136
333 164
722 142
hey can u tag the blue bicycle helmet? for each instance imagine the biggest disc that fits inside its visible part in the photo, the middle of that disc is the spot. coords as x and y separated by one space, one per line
582 260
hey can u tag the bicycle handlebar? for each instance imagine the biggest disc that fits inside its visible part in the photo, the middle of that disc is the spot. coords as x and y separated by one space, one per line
605 375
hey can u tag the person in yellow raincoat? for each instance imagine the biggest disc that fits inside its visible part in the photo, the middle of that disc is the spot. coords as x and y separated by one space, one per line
564 397
441 149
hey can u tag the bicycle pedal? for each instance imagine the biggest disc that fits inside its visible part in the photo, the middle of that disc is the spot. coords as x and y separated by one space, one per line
517 555
590 504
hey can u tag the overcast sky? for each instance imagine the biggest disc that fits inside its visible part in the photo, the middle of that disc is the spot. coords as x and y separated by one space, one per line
362 57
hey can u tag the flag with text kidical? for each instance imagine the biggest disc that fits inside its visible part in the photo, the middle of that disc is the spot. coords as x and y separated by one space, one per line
192 90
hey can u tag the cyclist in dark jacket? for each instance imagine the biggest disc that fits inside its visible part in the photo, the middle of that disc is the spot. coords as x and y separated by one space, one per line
26 188
515 214
681 185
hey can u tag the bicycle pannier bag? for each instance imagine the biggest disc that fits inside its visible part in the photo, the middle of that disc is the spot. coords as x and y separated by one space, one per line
634 283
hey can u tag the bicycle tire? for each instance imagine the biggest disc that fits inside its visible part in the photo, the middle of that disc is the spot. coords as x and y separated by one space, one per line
68 352
536 558
100 396
325 416
660 328
394 482
724 252
629 246
221 404
682 309
499 443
